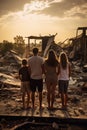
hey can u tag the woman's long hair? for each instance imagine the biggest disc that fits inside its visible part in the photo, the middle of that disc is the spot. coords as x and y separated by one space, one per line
63 60
52 60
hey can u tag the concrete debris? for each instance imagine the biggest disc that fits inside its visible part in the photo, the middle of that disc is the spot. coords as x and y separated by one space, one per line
10 95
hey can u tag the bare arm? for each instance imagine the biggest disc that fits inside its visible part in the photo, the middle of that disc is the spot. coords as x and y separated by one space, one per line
69 69
58 69
43 69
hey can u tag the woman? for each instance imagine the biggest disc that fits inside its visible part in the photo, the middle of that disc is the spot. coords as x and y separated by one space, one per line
51 67
63 77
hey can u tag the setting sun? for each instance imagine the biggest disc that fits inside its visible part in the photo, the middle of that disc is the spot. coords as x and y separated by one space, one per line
43 17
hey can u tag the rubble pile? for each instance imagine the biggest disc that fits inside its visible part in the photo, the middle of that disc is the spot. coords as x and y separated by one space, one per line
11 102
10 95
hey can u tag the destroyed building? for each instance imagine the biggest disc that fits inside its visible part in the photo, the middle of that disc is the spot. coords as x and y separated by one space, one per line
76 113
47 42
77 46
11 58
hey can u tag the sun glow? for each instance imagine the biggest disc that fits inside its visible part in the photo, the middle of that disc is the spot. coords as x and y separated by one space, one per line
35 6
33 20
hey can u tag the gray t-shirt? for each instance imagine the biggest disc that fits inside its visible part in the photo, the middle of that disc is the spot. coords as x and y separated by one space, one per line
35 63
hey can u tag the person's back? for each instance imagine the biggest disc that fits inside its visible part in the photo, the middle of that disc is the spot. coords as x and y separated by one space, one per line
36 82
51 73
35 63
63 78
50 68
24 76
24 73
64 73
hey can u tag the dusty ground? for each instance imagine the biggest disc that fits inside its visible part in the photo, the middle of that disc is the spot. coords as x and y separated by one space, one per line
11 104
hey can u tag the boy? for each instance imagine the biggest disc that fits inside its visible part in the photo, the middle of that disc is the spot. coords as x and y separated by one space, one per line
25 82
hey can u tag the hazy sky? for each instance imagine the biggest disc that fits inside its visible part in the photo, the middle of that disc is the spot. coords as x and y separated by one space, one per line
41 17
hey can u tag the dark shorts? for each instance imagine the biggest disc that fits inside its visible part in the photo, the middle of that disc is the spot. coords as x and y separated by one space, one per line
36 85
63 86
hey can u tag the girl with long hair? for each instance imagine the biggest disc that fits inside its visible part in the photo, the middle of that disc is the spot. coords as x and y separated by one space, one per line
51 67
63 77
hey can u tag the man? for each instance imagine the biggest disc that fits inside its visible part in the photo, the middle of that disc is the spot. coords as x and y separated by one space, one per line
36 70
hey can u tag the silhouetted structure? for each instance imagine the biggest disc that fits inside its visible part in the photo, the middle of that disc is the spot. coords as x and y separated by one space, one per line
78 47
46 42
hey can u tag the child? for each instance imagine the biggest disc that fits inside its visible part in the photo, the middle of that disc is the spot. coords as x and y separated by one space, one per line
63 78
25 83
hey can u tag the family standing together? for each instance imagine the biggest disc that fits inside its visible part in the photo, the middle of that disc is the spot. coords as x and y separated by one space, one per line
56 71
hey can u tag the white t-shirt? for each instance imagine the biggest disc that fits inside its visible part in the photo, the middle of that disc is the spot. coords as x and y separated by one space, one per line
35 63
64 73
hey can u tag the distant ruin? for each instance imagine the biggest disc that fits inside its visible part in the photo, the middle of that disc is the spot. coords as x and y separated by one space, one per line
46 42
76 47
